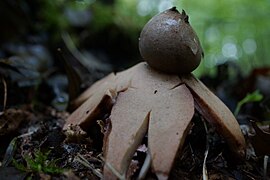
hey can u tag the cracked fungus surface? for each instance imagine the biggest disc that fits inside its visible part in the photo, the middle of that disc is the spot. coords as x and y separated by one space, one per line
142 101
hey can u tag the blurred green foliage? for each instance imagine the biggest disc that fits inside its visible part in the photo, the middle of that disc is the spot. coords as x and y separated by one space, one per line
39 163
229 30
255 96
232 30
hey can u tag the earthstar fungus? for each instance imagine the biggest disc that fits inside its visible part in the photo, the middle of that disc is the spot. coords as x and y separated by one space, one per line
142 100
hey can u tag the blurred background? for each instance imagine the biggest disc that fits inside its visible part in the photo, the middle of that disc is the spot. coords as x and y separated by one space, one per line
87 39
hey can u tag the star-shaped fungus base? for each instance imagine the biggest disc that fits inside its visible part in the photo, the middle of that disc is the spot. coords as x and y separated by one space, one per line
143 101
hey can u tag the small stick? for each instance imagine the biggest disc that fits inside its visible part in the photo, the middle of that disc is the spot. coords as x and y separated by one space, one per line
113 170
84 162
265 162
145 167
205 175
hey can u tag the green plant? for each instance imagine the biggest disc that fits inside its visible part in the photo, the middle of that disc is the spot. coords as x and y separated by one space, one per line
39 163
253 97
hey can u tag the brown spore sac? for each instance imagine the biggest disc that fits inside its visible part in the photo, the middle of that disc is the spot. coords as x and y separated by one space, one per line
168 43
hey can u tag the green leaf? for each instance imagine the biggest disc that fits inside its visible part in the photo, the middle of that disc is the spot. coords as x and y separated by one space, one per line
39 163
256 96
19 166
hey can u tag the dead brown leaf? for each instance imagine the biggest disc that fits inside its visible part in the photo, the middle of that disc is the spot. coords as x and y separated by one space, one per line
260 141
11 120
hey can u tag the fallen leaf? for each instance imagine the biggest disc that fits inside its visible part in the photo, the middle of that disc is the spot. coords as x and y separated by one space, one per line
11 120
260 141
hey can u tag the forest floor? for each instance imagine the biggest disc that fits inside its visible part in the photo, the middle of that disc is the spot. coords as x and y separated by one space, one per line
34 146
